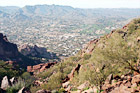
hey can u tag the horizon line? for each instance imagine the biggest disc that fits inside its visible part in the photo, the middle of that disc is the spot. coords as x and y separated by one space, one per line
71 6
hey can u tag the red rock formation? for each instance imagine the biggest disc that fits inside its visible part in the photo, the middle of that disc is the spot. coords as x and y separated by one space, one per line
127 84
40 67
90 47
125 27
76 69
29 68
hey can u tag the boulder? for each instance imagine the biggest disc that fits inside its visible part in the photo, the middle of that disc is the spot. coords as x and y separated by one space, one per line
24 90
21 90
43 68
95 89
116 77
5 83
122 89
89 91
29 68
37 67
136 79
134 85
13 80
68 88
43 91
65 85
84 85
129 78
109 78
78 91
138 39
128 84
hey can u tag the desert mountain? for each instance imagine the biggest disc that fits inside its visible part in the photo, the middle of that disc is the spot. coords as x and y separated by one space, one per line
108 65
32 24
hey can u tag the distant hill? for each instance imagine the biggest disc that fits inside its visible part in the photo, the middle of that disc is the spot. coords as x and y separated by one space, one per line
32 24
57 11
9 9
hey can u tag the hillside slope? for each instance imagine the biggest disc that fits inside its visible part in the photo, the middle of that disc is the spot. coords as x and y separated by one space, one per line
117 53
9 52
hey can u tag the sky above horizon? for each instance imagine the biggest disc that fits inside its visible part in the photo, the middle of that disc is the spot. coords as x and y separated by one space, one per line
76 3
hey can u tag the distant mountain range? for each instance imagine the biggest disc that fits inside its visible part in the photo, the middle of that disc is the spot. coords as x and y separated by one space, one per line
41 24
57 11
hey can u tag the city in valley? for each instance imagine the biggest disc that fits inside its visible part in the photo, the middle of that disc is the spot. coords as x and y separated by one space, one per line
63 30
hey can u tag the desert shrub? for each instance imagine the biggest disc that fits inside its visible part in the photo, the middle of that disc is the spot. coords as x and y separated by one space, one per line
8 70
61 90
17 86
86 56
28 78
136 21
54 82
131 28
46 73
34 89
75 58
74 89
63 67
114 58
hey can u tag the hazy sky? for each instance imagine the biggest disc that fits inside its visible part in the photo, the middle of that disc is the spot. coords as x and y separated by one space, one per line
76 3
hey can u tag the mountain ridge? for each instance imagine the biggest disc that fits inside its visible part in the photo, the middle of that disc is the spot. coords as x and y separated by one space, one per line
103 60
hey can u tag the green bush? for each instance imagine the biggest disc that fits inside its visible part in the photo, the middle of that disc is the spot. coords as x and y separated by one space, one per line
131 28
54 82
28 78
8 70
86 56
16 87
75 58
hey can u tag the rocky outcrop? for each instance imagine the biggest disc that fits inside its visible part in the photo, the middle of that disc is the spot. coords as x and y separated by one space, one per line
35 51
123 84
43 91
40 67
13 80
7 49
90 47
24 90
76 69
109 78
5 83
66 82
84 85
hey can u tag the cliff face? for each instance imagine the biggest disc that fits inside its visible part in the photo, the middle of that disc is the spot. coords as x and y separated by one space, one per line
35 51
7 49
9 53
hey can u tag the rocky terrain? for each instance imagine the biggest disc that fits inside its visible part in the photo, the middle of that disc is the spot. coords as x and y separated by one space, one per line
40 67
7 49
96 68
12 55
37 52
109 64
